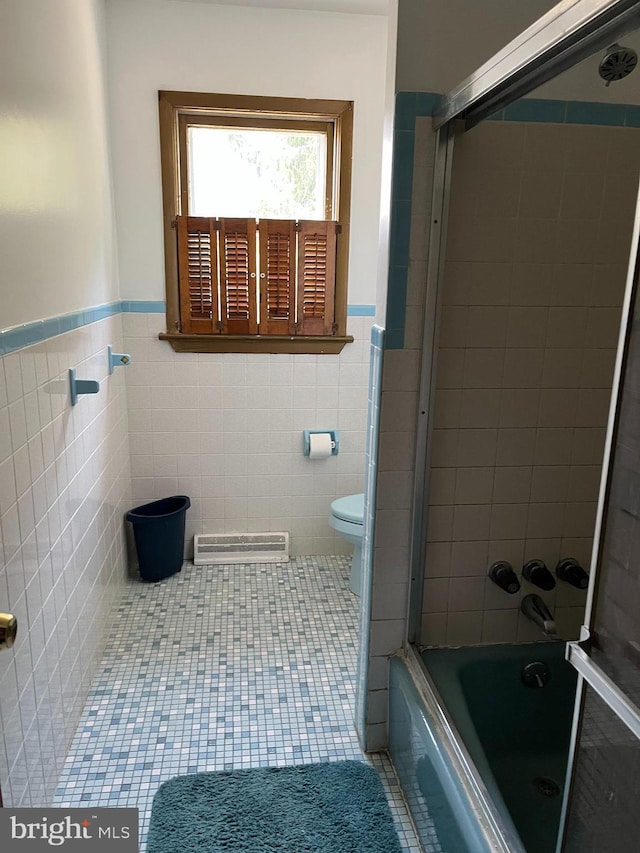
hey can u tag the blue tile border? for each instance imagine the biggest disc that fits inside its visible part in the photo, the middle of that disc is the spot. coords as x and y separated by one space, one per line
361 310
530 109
411 105
19 337
130 306
570 112
632 117
141 306
611 115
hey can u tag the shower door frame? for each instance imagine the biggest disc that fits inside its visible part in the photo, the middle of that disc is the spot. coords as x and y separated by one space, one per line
567 34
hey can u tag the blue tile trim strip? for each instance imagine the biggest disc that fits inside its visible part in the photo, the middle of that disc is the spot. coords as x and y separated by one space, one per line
361 311
18 337
411 105
141 306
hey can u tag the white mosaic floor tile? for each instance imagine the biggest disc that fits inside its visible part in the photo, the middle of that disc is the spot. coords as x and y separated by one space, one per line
223 667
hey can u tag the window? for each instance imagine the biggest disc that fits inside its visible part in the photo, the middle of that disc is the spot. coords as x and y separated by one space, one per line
256 222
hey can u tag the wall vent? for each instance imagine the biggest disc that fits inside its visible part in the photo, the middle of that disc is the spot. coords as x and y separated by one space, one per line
211 548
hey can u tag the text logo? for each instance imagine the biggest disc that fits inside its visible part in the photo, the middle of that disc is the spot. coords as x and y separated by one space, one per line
79 830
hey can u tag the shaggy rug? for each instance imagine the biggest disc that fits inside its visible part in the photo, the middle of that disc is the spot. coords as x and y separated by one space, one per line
334 807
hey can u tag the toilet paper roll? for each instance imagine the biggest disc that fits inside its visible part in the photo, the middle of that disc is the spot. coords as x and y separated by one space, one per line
319 445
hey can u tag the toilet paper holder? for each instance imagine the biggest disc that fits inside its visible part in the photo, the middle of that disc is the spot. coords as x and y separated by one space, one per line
335 439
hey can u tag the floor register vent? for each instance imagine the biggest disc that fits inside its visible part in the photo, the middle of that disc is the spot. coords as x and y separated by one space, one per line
211 548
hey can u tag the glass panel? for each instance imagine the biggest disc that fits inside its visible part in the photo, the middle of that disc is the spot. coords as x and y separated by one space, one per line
615 624
257 173
603 813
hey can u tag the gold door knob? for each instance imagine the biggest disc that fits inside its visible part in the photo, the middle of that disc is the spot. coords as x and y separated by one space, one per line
8 630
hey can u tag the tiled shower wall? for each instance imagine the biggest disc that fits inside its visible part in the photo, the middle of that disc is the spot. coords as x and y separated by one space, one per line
227 430
538 242
64 483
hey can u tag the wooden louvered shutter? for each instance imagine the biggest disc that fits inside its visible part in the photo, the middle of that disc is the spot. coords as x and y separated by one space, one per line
316 277
198 274
277 276
238 276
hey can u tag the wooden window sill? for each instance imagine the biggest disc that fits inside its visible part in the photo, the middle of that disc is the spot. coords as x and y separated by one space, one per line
310 345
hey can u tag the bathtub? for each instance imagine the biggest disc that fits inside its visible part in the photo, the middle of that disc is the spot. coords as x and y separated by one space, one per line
481 756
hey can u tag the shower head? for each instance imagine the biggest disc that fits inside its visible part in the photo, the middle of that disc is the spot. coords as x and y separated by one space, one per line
617 63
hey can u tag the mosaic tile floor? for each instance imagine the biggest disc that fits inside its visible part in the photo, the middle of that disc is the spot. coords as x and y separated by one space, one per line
222 667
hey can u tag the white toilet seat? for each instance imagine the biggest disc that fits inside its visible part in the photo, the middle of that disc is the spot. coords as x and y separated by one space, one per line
349 508
347 519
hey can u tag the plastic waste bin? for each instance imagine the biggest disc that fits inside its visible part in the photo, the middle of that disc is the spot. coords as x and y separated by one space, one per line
158 530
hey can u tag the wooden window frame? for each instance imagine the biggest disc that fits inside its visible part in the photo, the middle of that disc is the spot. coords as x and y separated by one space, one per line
177 110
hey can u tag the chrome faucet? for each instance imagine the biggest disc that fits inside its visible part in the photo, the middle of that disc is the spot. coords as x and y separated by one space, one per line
535 609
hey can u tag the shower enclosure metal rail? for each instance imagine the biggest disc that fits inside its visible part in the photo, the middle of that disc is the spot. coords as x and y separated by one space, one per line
428 367
569 33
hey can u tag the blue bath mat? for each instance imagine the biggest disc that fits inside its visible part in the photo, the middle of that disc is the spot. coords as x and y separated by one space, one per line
336 807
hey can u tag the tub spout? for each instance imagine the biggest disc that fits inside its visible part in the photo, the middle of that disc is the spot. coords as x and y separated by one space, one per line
535 609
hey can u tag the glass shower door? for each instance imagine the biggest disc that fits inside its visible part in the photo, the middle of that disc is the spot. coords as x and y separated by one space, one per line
602 803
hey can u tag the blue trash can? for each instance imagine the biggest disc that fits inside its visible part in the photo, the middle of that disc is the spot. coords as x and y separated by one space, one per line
158 529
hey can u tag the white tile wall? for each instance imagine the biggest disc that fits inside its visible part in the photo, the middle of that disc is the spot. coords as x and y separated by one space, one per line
64 484
226 429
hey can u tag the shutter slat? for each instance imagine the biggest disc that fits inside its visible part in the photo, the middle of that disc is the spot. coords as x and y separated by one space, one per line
197 274
277 276
218 276
316 277
238 271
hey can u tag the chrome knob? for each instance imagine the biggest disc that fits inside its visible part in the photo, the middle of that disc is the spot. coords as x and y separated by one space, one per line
8 630
502 574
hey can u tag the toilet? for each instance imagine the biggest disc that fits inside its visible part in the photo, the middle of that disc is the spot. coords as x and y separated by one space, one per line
347 519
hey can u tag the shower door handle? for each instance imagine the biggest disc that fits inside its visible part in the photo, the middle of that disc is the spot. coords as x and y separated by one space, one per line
8 630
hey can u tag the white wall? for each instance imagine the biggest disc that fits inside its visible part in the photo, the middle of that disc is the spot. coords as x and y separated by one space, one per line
440 42
387 165
56 247
159 44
